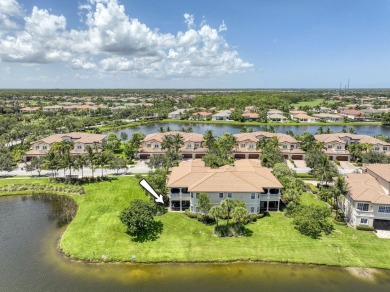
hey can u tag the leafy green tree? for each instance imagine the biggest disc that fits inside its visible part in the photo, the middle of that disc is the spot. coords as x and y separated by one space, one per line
104 159
113 143
375 157
209 139
158 180
386 119
313 156
138 217
312 220
37 164
204 203
117 163
124 136
6 161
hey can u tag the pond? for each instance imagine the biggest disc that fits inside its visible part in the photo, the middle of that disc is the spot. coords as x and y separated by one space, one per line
219 129
30 261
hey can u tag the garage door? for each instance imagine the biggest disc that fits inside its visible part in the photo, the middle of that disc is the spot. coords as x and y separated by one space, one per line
187 155
253 156
342 158
297 157
382 224
199 155
144 156
239 156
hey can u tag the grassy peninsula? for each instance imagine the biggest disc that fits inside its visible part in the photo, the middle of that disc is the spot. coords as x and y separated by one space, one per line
96 234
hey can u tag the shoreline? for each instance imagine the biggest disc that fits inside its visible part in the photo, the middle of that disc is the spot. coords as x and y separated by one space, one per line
236 123
127 260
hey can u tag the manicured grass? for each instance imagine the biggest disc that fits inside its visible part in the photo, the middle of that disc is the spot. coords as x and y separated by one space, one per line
311 103
97 233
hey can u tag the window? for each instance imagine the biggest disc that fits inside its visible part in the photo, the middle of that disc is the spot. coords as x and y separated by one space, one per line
36 147
329 146
376 148
252 210
79 147
339 147
192 195
242 145
148 145
384 148
156 146
253 196
230 195
362 206
284 146
221 195
258 195
364 221
292 146
384 209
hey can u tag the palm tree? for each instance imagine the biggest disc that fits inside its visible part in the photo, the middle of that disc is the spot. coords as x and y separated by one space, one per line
239 214
216 212
325 170
340 188
166 142
91 157
103 159
80 162
177 142
228 206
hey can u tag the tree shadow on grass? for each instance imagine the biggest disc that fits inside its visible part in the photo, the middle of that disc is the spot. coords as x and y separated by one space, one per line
151 234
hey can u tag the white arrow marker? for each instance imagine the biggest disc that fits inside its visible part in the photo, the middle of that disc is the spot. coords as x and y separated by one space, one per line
146 186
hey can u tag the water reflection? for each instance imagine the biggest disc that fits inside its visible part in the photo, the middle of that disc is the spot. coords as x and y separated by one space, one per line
30 261
219 129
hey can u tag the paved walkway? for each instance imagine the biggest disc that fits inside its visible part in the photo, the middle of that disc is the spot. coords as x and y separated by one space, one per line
383 233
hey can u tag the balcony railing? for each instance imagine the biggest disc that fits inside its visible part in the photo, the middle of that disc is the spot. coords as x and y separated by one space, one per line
183 196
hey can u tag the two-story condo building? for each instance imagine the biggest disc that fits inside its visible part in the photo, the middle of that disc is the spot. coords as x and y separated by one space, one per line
368 201
336 144
247 143
192 147
246 180
80 142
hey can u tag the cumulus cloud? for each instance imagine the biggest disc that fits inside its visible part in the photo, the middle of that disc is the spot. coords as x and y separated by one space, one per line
113 42
9 9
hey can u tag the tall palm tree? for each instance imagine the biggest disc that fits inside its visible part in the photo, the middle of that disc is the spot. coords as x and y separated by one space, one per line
216 212
209 138
340 189
177 142
91 157
80 162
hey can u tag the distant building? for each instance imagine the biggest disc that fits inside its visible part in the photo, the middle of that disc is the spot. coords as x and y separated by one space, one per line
223 115
176 114
80 142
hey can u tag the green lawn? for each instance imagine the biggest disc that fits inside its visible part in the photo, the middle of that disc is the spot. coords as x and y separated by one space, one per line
96 232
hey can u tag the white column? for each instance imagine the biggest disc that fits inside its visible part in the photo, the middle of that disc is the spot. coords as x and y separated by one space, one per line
267 205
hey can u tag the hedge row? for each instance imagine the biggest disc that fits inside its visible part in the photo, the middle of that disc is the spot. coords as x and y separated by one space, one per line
40 188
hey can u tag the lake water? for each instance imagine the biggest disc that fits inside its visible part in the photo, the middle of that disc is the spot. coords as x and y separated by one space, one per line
30 261
219 129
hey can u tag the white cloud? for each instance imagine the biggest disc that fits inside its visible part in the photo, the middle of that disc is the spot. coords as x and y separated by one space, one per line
9 9
189 20
114 42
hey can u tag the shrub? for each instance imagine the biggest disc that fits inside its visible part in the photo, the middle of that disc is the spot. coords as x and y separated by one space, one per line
207 219
365 228
312 188
231 230
190 214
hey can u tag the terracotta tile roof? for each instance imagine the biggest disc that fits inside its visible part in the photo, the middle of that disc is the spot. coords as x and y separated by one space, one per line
257 136
187 137
352 112
302 116
364 187
203 114
77 137
246 176
382 170
338 137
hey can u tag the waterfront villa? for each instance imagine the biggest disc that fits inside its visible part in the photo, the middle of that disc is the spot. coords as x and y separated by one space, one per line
247 145
223 115
368 200
80 142
246 180
336 144
353 114
304 118
201 116
192 148
328 117
176 114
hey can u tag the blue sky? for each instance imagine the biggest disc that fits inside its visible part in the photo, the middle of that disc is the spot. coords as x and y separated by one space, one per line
194 44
